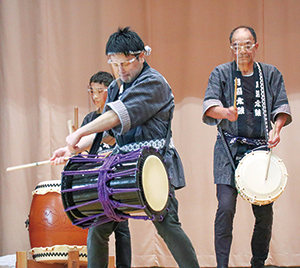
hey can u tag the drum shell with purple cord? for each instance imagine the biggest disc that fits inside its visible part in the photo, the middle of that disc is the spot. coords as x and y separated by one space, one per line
134 172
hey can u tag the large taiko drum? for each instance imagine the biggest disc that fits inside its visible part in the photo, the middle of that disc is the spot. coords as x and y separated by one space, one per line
96 190
260 177
51 233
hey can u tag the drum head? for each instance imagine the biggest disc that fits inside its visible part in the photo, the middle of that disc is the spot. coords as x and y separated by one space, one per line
257 185
155 183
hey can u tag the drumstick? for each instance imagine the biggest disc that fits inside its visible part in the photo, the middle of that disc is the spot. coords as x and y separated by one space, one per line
235 80
44 162
73 127
71 130
28 165
270 154
70 126
31 165
235 92
75 118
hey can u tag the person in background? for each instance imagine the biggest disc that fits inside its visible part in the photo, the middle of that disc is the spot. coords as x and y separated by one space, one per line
97 89
243 126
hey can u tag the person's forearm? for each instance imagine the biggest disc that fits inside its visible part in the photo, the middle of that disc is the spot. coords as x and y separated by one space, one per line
216 112
219 112
85 143
106 121
280 121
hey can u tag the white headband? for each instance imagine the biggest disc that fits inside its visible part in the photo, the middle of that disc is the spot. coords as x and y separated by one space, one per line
147 51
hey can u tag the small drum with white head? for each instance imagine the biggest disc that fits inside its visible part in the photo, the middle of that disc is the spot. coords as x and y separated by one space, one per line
260 177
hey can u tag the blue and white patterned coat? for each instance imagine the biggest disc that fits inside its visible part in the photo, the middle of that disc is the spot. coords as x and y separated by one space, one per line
145 110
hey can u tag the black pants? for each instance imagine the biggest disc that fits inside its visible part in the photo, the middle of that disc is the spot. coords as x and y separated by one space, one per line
261 237
175 238
97 244
169 229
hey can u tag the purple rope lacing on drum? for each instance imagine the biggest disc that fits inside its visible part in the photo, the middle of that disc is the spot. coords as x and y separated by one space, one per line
104 192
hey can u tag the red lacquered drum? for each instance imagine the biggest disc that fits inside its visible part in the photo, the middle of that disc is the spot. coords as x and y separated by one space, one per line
51 233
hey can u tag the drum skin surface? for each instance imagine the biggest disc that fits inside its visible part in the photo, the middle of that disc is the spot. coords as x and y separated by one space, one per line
155 183
48 223
257 185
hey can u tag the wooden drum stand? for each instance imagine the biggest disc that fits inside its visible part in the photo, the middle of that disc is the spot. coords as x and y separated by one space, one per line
73 261
23 262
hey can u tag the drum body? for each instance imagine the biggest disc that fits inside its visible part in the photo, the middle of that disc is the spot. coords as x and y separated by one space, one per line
50 230
260 177
102 189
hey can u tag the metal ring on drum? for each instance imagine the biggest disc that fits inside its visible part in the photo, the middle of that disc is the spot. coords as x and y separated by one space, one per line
251 181
96 190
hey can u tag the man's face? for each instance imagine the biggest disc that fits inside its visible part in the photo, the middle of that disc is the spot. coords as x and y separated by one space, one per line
127 67
98 94
243 47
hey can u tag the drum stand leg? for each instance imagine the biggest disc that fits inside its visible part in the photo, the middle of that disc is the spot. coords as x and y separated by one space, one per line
21 259
73 260
23 262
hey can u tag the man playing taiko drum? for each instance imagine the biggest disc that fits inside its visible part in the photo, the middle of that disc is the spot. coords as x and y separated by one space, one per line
242 97
139 112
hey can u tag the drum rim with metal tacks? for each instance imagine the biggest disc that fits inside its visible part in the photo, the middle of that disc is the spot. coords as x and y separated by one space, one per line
151 156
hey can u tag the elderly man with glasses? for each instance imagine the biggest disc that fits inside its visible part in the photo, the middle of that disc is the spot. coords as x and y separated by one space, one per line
242 98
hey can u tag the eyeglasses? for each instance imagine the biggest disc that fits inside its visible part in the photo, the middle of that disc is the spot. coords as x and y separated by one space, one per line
236 48
96 90
123 63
